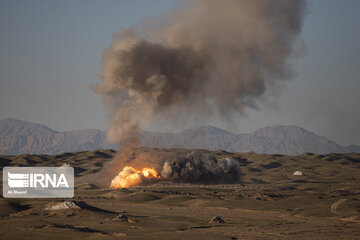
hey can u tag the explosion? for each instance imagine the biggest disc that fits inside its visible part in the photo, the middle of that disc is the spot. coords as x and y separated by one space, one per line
198 169
204 61
130 176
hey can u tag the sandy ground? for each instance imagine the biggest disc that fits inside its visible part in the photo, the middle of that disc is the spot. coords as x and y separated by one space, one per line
268 203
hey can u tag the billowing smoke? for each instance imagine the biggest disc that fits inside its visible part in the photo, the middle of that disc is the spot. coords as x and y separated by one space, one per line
206 57
194 168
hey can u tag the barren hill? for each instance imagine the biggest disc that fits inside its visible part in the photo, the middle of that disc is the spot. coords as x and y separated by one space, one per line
17 137
268 201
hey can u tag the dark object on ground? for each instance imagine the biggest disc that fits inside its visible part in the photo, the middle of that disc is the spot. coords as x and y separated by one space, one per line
217 219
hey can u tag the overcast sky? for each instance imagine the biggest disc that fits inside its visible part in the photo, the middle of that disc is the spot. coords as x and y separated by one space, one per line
50 54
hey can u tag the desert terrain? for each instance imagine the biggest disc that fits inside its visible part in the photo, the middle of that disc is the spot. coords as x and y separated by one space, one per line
268 202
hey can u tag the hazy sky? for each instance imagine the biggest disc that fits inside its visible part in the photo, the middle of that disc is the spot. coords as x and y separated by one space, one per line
50 54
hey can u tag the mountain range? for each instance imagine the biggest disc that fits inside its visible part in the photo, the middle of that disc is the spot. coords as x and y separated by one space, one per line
17 137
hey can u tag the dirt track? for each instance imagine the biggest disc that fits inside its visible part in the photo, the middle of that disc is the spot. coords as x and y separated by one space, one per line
335 205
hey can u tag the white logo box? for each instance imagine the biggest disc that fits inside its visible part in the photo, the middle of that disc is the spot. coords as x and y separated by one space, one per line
38 182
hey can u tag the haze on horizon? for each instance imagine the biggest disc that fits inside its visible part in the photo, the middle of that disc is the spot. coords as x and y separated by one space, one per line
51 53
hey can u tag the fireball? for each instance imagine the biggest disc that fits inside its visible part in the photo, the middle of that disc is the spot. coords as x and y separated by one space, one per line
130 176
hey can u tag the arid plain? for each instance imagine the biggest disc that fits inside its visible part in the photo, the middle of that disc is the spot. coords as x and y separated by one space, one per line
269 202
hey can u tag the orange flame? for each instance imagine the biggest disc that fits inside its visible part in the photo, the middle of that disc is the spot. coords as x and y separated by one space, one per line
130 176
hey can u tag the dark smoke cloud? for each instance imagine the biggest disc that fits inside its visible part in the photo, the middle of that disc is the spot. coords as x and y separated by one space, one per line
195 168
206 57
210 56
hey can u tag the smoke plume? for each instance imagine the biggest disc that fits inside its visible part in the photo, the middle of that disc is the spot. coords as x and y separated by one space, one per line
194 168
205 57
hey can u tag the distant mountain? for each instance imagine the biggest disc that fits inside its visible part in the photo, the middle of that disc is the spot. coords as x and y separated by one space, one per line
291 140
18 137
207 137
